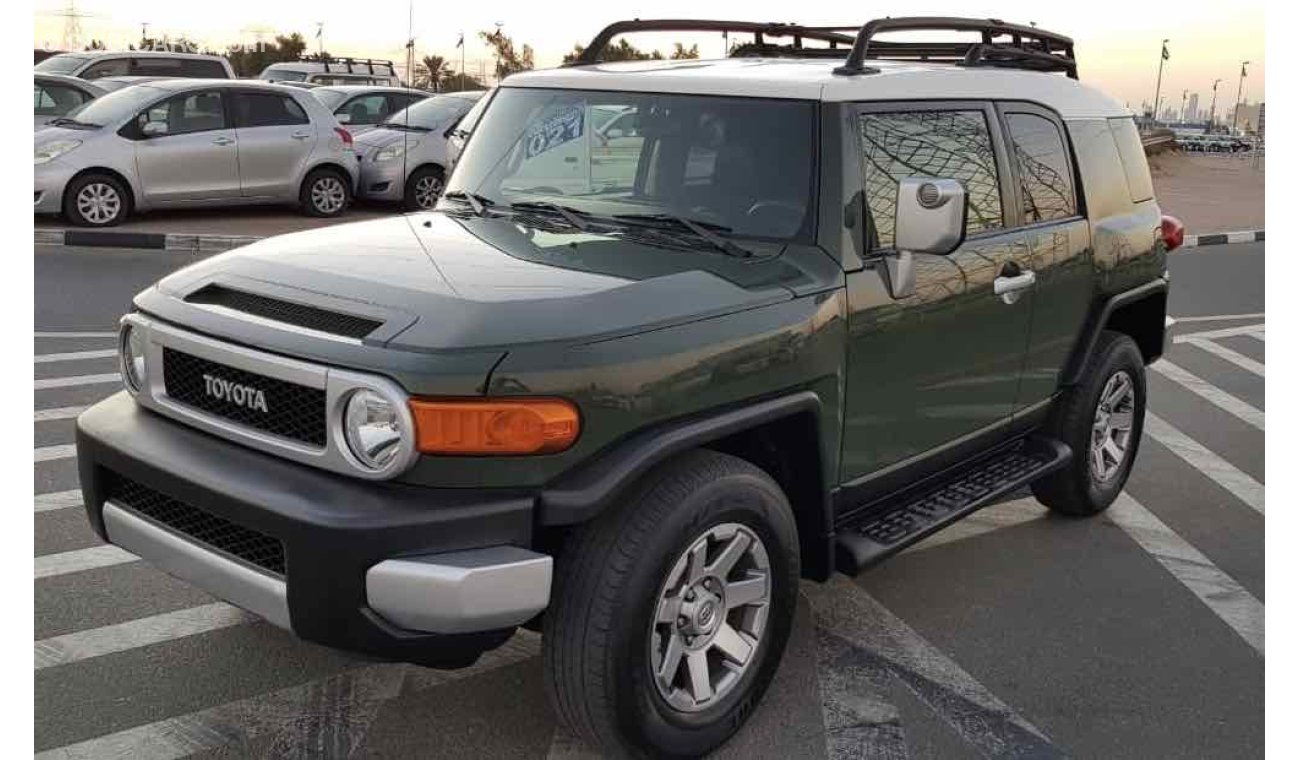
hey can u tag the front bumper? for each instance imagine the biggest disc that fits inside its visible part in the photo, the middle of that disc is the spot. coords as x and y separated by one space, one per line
50 179
430 576
382 181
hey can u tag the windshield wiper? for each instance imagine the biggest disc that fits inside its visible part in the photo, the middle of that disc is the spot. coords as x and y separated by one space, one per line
571 215
475 201
66 121
706 231
404 127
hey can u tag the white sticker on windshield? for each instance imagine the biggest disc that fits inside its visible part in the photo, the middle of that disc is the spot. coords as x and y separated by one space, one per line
564 126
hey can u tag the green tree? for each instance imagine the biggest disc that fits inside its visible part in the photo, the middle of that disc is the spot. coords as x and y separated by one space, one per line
681 52
457 82
508 61
249 60
626 51
433 73
96 45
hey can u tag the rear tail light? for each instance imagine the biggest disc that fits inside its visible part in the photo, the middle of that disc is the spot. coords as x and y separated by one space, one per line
344 135
1171 231
494 426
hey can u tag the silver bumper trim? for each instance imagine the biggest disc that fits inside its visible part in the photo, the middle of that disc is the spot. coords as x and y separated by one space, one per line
460 592
225 578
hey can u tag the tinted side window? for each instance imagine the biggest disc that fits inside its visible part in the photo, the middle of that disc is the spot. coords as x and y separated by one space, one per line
943 144
156 67
365 109
259 109
192 112
202 69
113 67
1046 189
1133 157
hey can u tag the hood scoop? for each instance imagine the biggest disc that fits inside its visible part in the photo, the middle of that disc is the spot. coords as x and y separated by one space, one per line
287 312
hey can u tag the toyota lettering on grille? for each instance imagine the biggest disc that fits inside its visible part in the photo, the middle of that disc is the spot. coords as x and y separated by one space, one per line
246 396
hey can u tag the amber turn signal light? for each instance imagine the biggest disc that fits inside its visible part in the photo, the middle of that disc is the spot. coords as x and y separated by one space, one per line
494 426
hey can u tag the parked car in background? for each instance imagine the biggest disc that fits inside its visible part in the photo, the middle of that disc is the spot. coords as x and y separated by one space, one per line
405 158
179 143
99 64
333 71
109 84
460 132
54 95
359 108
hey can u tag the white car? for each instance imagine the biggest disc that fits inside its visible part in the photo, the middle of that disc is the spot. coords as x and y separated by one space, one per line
96 64
333 71
181 143
360 108
54 95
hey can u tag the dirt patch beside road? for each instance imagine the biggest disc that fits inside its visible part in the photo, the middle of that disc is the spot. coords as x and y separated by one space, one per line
1210 193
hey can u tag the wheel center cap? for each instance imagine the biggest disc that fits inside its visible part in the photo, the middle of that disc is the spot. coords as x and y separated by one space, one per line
706 616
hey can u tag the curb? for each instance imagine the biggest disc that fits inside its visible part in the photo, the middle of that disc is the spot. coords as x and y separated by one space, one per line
1222 238
151 240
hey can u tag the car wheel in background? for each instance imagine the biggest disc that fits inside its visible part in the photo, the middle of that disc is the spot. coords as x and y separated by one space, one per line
325 193
423 188
96 200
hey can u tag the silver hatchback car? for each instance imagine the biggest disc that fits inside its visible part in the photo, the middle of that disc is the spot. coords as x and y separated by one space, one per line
181 143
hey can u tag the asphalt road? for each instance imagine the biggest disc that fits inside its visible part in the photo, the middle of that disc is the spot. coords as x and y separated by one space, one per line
1138 634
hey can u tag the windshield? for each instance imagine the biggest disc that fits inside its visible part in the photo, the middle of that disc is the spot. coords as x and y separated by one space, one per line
282 75
64 63
117 105
743 166
432 113
331 98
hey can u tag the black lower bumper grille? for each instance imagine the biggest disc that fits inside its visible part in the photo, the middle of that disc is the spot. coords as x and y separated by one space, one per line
274 406
246 544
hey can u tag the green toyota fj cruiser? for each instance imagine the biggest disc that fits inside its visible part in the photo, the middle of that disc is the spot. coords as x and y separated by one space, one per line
678 334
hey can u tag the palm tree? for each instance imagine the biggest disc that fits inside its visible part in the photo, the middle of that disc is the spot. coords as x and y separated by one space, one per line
436 72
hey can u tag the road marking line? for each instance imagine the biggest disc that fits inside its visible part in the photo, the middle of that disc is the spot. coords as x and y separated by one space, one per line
1224 596
1225 401
52 453
1226 332
106 555
1227 354
328 717
844 610
133 634
1220 317
1213 466
69 382
48 502
858 717
72 356
61 413
74 334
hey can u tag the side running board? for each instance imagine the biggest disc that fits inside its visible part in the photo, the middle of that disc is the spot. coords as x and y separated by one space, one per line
900 520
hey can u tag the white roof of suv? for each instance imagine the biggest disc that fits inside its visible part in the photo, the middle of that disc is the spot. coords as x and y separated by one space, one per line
808 79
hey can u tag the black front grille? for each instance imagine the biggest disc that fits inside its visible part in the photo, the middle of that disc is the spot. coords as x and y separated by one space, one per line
281 408
302 315
251 546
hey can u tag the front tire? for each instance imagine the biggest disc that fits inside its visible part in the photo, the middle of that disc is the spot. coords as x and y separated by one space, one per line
1101 420
672 609
325 193
423 189
96 200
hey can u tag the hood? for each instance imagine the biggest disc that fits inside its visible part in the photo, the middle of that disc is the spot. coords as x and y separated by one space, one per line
48 134
443 283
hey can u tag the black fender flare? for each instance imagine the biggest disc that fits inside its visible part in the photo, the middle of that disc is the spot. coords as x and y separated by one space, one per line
1097 322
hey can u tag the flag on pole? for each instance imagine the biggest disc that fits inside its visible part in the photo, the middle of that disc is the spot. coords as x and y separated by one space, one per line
461 42
1164 52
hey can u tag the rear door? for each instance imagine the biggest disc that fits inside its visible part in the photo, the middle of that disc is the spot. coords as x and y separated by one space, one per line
195 157
276 138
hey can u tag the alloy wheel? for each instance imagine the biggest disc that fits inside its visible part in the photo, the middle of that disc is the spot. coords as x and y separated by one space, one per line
328 194
99 202
427 190
1112 427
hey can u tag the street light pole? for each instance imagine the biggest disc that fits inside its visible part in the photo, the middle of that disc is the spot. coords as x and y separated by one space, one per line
1164 53
1236 108
1214 95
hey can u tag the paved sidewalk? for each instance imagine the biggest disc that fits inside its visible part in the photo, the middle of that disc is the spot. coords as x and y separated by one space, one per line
1210 193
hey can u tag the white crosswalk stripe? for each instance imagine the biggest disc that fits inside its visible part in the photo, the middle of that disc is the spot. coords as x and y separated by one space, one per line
1227 354
72 356
47 502
1223 595
1226 332
1219 317
71 382
75 334
58 413
79 560
110 639
51 453
1213 466
1211 393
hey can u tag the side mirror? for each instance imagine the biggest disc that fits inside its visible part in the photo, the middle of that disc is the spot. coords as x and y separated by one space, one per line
153 128
343 118
930 218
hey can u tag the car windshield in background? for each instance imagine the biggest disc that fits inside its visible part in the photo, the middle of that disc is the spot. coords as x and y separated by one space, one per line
741 166
61 64
331 98
431 113
281 75
116 105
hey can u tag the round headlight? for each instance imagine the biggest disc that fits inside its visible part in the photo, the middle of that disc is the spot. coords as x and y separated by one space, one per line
373 428
132 353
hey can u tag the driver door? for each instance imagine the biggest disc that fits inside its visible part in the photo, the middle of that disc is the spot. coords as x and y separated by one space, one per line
190 153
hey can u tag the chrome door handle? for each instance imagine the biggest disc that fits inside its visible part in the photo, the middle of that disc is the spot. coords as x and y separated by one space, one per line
222 140
300 135
1008 288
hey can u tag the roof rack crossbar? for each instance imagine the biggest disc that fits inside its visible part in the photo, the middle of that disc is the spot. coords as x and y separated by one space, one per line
369 63
1029 48
833 35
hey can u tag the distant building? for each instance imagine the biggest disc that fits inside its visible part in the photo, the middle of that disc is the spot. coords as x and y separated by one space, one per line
1193 111
1260 130
1247 117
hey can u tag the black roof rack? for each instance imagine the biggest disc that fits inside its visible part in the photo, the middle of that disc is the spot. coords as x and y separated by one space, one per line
1001 45
350 65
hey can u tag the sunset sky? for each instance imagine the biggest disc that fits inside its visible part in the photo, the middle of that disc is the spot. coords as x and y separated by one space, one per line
1117 44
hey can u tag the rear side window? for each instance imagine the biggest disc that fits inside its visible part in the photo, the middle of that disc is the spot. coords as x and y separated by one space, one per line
156 67
262 109
202 69
113 67
1046 189
942 144
1133 157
